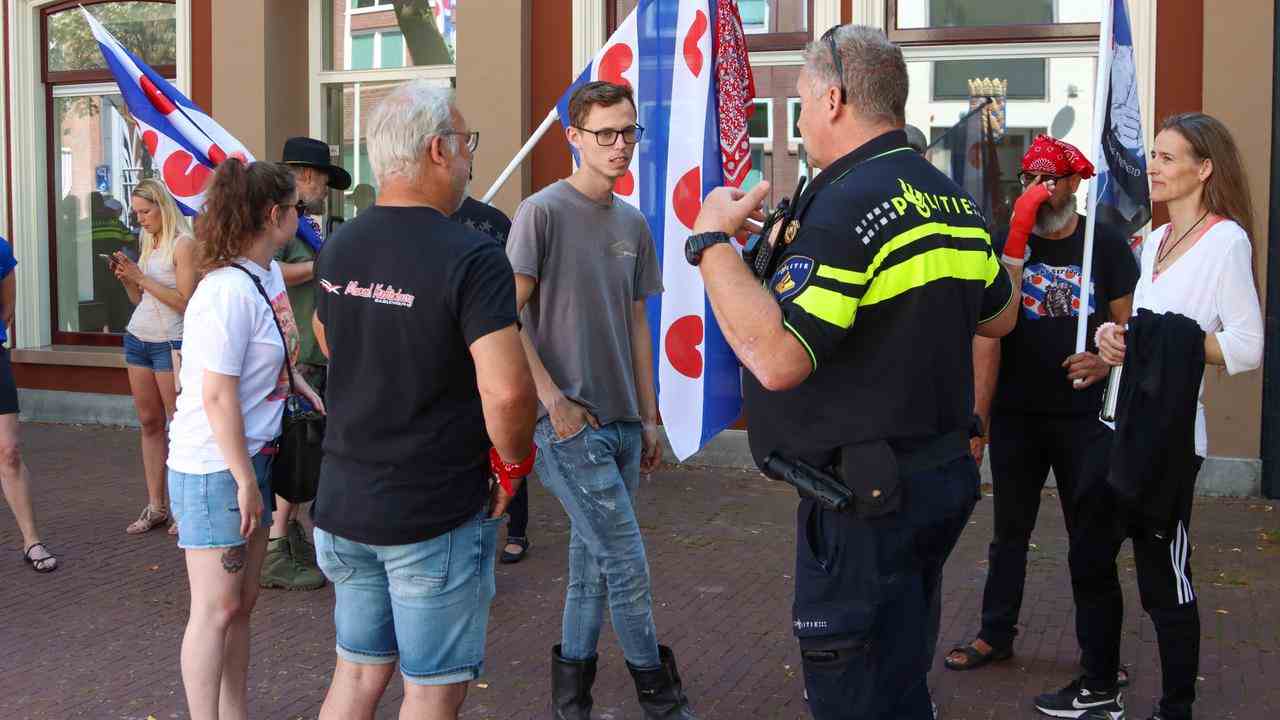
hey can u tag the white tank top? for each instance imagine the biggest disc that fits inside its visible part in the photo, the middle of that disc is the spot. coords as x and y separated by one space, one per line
152 320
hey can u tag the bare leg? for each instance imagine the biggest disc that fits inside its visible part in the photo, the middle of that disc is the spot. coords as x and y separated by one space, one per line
432 702
217 578
355 691
280 518
149 399
234 695
16 481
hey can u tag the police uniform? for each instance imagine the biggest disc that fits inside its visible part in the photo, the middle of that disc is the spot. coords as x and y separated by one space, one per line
884 272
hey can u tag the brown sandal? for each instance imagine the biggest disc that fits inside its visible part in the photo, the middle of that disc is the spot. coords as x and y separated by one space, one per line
974 658
150 519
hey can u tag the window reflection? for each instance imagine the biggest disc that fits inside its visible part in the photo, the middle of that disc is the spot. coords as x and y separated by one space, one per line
372 35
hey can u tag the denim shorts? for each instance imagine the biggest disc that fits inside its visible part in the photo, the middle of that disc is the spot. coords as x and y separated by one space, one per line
155 356
207 510
426 603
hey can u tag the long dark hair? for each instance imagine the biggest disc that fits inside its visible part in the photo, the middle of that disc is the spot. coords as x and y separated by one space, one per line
236 203
1226 192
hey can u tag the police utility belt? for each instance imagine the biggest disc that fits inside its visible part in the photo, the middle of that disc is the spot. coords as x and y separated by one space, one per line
865 478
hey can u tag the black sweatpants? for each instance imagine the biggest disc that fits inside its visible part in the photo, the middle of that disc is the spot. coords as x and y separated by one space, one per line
1023 449
1164 584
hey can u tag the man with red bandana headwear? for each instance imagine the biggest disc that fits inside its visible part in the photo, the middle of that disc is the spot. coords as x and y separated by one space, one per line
1039 401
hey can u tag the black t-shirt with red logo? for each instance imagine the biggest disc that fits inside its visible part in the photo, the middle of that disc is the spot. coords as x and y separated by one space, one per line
1032 379
402 293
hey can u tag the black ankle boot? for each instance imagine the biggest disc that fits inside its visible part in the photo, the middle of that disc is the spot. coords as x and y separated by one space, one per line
661 695
571 687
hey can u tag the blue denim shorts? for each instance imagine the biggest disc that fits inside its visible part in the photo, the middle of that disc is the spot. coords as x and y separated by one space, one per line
207 510
151 355
426 603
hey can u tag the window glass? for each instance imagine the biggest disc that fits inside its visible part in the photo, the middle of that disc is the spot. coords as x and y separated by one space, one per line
759 124
1064 109
913 14
99 157
392 50
758 16
1026 77
148 29
347 108
425 31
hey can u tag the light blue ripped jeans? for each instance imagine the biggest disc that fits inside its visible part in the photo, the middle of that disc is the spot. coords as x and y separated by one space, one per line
595 474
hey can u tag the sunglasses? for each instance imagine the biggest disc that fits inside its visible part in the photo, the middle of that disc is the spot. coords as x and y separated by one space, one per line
1028 179
829 37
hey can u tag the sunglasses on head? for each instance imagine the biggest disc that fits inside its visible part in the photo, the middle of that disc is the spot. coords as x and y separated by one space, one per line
829 37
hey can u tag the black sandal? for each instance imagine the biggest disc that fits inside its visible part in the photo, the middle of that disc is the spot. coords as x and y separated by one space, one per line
46 564
510 557
975 658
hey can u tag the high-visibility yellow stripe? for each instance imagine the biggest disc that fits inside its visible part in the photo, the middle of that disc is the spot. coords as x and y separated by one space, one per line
854 277
925 268
812 358
993 270
828 305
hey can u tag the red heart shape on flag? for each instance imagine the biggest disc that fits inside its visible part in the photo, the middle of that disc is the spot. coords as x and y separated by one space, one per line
616 61
625 185
686 199
683 338
183 175
692 53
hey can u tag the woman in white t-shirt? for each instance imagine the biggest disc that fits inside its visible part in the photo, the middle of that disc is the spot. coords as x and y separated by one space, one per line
234 385
1199 265
159 284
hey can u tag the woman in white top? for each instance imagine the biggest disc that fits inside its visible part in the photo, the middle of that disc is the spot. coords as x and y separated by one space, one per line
1199 265
159 284
234 386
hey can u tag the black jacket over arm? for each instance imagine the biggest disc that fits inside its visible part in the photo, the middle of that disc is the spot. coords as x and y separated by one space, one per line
1152 460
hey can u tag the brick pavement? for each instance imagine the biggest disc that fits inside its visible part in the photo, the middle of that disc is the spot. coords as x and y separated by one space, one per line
99 638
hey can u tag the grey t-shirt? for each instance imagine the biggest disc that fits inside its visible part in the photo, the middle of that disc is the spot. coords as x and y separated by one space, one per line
592 263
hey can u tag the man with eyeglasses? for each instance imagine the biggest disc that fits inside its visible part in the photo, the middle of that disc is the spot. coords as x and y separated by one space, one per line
1042 401
859 374
584 265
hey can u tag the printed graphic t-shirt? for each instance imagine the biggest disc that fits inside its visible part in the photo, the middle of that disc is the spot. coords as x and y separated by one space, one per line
403 293
229 329
1032 379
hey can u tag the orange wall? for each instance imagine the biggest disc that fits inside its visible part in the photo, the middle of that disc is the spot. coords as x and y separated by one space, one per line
551 57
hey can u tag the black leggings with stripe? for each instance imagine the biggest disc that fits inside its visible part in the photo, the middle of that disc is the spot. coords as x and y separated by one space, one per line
1164 584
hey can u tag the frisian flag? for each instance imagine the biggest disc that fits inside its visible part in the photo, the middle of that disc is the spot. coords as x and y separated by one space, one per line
1124 197
966 154
185 144
686 63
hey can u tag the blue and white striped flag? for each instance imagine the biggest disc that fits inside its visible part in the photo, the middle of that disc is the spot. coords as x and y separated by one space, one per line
666 51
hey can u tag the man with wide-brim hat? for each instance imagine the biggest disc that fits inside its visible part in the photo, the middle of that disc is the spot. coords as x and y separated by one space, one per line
291 561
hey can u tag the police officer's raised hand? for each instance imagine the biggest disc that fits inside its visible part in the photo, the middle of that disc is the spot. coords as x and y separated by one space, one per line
1085 369
727 209
568 418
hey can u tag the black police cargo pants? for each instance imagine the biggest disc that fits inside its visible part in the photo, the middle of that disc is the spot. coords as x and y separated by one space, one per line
863 593
1023 449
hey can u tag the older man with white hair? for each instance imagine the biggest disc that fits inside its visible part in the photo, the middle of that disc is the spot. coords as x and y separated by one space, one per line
429 391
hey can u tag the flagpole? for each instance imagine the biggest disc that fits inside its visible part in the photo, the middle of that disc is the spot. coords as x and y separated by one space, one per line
552 116
1100 98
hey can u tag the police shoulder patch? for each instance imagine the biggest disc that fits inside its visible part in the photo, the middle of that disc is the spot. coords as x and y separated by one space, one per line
791 278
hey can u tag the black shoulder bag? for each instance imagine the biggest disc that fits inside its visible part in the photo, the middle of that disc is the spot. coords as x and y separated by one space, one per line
295 472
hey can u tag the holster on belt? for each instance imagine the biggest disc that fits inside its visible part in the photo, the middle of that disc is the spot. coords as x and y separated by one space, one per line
870 471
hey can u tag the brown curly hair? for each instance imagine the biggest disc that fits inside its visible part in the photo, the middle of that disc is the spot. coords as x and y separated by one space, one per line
236 204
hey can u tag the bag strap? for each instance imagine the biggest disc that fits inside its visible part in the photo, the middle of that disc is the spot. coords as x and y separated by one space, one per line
285 343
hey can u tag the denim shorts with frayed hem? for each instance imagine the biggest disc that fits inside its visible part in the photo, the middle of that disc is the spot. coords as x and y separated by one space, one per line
425 603
207 510
154 356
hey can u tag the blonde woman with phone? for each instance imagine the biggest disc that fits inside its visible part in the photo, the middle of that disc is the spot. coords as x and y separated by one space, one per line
160 283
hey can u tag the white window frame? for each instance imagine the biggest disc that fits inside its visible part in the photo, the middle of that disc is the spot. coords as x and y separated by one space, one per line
765 142
376 8
321 79
24 108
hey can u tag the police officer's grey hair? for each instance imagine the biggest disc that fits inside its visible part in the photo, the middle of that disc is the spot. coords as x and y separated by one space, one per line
875 73
402 126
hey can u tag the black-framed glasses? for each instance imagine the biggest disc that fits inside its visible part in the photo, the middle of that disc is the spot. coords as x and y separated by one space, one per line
1027 179
609 136
473 137
829 37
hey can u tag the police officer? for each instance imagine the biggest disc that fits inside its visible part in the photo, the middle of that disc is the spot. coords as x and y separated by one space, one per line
860 376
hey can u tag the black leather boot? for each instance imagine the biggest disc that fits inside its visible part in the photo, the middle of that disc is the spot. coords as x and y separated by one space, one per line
661 695
571 687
